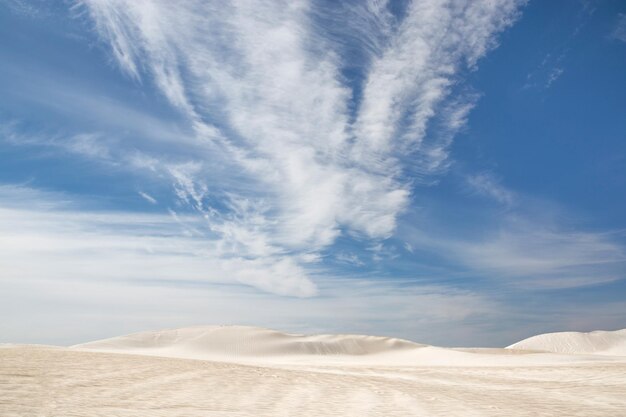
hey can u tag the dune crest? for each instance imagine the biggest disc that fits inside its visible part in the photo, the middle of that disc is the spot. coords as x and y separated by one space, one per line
240 342
258 346
598 342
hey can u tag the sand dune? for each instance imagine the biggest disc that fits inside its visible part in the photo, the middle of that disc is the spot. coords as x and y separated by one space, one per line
243 342
597 343
247 371
251 345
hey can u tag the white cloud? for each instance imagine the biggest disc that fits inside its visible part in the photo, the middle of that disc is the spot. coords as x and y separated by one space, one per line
411 78
487 185
292 166
23 7
349 258
73 243
90 145
526 252
550 69
619 32
548 258
261 84
80 102
555 74
147 197
530 245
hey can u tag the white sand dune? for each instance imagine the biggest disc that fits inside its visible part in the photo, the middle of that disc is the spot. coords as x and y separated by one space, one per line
251 345
597 343
245 343
246 371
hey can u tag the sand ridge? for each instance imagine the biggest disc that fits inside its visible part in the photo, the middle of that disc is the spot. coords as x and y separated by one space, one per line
598 342
252 345
247 341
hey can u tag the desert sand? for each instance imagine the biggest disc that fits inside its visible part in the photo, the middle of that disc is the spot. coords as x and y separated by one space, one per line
246 371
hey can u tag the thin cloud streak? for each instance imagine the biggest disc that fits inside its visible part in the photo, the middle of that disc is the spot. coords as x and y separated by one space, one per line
619 32
487 185
148 197
68 241
526 253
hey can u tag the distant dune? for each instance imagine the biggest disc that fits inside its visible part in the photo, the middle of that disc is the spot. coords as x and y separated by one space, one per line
251 341
252 345
593 343
245 344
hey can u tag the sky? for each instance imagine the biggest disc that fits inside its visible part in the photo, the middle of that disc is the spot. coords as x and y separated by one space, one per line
449 172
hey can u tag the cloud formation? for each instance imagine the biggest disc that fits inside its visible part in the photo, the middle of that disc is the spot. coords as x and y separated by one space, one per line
71 243
487 185
520 249
314 152
619 32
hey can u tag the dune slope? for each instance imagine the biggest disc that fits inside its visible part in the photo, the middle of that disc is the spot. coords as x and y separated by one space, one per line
243 342
251 345
597 343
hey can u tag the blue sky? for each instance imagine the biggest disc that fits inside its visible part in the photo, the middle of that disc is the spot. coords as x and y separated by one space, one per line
448 172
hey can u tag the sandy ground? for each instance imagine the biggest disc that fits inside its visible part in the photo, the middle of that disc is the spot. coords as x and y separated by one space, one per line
48 381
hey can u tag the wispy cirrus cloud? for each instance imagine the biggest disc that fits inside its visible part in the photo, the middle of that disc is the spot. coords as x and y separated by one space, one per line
532 257
22 7
147 197
263 85
619 32
71 242
520 249
487 185
548 71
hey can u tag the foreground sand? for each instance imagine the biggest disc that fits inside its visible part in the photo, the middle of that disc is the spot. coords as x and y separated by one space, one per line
49 381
